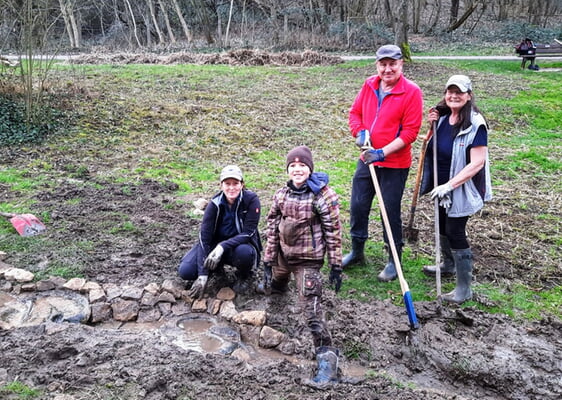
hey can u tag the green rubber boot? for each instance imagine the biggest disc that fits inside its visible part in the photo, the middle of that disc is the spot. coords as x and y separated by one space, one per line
389 272
463 263
357 254
447 267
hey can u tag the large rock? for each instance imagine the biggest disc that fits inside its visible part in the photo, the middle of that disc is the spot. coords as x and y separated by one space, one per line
256 318
270 337
37 308
75 284
226 294
18 275
101 312
125 310
227 310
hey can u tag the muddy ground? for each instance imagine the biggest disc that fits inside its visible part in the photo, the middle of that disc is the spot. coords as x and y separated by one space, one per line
460 354
135 234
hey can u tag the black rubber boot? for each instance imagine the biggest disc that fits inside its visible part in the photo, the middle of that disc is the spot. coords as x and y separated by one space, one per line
244 283
357 255
327 358
463 263
447 267
389 272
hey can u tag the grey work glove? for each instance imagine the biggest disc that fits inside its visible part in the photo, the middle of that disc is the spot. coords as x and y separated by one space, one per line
373 155
335 277
198 287
214 257
363 138
443 193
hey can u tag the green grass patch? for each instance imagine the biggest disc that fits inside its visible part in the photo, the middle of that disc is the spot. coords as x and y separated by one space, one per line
522 302
18 179
19 390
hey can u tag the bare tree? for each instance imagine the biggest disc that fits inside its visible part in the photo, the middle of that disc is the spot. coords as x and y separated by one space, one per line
133 21
171 35
203 17
433 19
471 6
228 24
72 27
454 11
186 30
401 29
151 8
417 6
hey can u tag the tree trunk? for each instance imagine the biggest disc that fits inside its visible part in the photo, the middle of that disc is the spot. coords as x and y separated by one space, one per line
435 13
75 24
471 8
454 12
200 9
416 15
484 8
186 30
228 23
167 20
134 22
401 30
65 9
155 21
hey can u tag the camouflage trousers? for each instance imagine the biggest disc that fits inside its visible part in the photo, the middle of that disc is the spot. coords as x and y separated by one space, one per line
309 285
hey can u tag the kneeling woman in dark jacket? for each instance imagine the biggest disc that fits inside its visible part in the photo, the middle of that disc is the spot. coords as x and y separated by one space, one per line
229 234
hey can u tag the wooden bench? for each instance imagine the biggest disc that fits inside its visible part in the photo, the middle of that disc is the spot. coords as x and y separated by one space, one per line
541 50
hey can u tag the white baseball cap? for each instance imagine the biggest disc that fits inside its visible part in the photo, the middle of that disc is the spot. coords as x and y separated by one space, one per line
461 81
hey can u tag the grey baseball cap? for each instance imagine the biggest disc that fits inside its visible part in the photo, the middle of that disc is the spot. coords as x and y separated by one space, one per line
389 51
231 171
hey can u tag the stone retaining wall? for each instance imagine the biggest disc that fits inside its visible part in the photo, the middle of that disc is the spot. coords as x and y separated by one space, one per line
87 302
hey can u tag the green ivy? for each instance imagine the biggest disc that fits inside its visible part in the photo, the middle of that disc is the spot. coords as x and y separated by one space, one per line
15 130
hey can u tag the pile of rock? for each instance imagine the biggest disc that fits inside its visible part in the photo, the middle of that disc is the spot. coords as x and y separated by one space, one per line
24 302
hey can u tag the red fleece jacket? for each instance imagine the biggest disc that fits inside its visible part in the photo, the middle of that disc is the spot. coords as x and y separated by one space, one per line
400 115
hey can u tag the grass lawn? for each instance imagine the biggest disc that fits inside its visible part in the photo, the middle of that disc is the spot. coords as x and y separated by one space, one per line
183 123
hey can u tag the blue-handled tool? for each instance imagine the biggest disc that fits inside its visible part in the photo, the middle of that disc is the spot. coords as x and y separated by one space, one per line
408 302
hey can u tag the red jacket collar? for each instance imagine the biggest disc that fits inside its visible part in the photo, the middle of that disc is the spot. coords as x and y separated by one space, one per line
375 81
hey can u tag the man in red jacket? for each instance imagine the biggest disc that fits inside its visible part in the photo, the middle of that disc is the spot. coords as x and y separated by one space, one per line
387 115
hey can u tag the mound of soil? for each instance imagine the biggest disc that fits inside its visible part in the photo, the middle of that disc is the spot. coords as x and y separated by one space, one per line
136 234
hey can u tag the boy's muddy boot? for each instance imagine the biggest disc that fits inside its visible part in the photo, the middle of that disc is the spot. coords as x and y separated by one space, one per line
327 374
463 263
357 255
389 272
447 267
279 287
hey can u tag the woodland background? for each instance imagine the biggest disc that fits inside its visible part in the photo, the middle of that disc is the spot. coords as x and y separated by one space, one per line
323 25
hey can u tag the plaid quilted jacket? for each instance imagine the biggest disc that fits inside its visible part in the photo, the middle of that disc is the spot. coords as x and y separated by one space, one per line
304 223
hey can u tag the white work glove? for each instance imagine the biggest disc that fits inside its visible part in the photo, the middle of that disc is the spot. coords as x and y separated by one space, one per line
198 287
443 193
214 257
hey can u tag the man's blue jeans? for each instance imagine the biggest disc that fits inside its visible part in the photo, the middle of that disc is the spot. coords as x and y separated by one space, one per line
392 182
